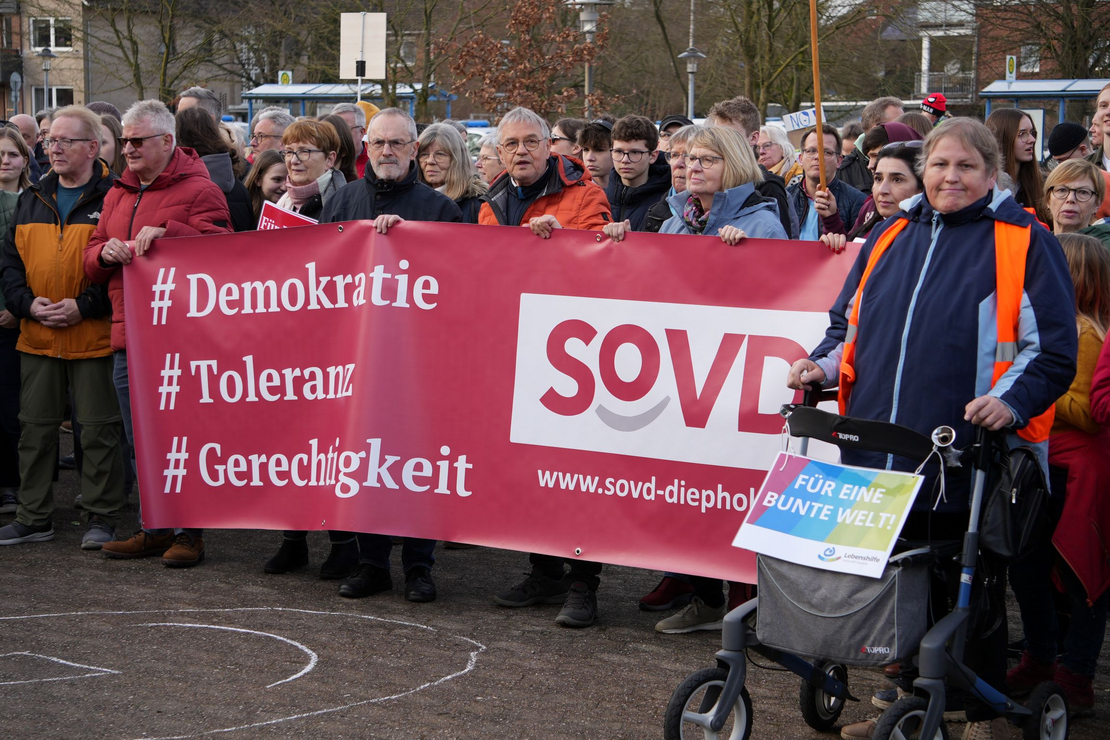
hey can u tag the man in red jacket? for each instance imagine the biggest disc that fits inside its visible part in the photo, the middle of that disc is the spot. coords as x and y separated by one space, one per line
165 192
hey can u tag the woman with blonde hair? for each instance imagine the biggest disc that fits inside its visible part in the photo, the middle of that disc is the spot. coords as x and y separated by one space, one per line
777 154
446 166
15 161
1072 192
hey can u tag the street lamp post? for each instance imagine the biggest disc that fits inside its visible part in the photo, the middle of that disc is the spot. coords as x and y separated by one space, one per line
46 55
587 21
691 55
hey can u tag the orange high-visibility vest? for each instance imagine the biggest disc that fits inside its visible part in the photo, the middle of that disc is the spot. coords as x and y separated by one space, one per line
1011 247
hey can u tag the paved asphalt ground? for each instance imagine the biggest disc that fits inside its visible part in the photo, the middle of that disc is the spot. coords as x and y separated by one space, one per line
93 648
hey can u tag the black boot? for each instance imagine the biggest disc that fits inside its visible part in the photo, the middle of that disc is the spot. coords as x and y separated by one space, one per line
291 556
342 560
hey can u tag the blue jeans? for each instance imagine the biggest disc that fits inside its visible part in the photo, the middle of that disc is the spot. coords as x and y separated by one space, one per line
123 391
1031 580
374 549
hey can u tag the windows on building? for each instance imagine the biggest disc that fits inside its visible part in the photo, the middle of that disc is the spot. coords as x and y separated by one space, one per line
59 96
53 33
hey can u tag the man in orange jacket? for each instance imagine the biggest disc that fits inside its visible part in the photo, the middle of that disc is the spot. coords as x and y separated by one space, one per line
64 343
538 189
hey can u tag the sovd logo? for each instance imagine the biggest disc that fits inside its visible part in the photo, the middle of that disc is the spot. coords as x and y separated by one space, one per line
669 381
696 403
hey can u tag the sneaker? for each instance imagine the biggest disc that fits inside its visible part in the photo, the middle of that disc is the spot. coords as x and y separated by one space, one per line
291 556
696 616
342 561
671 593
883 698
580 608
187 550
1077 688
19 534
139 545
8 502
366 581
535 589
1028 673
419 587
859 730
995 729
97 534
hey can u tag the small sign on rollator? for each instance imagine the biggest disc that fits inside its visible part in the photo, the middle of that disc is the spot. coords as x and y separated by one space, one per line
824 515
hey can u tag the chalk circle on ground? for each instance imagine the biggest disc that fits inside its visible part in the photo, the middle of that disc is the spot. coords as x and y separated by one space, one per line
77 670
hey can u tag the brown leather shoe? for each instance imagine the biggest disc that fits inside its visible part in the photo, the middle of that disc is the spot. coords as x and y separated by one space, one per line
140 545
186 552
859 731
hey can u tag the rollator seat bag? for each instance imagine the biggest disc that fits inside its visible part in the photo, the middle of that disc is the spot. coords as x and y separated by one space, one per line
841 617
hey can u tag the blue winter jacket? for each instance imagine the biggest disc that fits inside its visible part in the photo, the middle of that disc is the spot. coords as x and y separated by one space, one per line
928 329
741 207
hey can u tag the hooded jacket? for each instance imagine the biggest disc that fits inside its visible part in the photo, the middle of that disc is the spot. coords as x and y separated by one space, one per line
570 195
853 171
408 198
182 199
632 204
928 329
41 258
741 207
238 199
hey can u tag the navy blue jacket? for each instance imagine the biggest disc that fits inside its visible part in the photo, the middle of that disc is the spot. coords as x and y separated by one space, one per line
633 204
410 199
928 328
848 203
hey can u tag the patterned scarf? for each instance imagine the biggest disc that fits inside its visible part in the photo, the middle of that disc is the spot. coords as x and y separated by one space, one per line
694 215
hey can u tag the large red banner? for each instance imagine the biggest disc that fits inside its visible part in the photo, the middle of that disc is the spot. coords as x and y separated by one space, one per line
570 396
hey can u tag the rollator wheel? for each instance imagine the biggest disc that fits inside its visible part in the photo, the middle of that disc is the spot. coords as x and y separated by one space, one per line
1049 706
693 702
819 709
902 720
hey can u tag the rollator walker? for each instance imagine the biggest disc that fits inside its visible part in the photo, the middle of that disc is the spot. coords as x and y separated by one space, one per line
715 703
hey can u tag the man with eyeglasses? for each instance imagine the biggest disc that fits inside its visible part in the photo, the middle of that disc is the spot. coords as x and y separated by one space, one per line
1072 141
542 191
391 193
834 209
164 192
641 174
356 125
667 127
64 342
268 128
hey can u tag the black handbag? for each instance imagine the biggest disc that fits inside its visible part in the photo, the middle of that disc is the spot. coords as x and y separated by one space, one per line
1016 518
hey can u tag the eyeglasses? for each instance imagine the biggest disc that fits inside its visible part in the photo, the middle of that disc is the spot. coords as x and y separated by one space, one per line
558 138
260 137
706 162
813 153
529 144
915 144
488 158
1061 192
64 144
633 156
136 141
439 157
767 146
300 154
675 157
379 144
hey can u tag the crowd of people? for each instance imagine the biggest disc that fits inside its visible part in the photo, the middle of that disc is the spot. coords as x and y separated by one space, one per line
945 207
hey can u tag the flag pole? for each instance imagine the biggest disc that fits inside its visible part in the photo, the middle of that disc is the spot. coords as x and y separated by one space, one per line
817 91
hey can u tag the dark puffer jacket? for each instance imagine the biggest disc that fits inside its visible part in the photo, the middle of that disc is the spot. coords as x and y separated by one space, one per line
409 198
